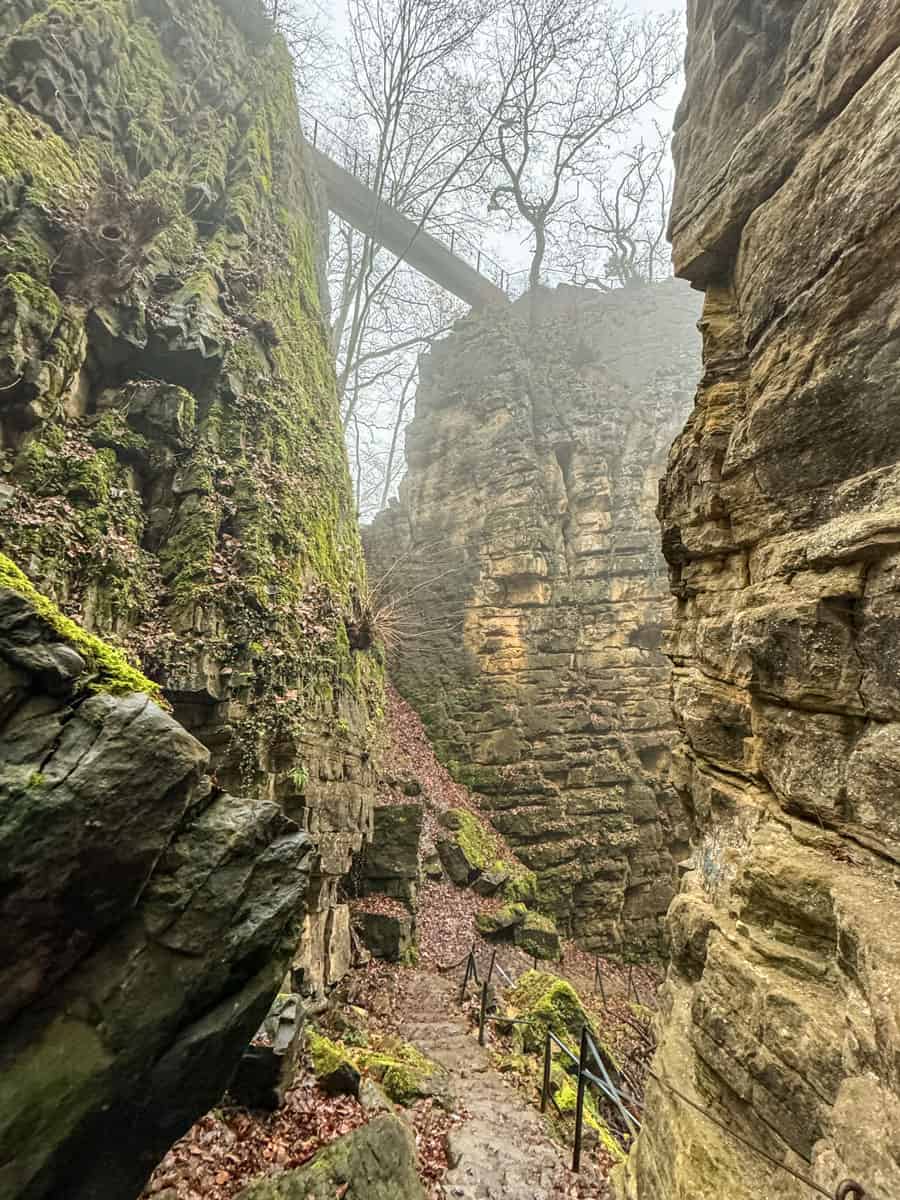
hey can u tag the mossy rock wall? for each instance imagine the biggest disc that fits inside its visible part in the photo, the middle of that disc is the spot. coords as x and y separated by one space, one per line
172 471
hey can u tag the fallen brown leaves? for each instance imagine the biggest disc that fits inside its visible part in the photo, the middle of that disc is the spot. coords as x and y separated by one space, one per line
409 755
432 1124
386 906
228 1147
446 923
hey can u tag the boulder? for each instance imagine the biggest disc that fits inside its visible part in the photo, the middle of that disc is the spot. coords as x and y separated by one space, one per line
542 1001
147 916
389 864
490 881
501 921
537 935
404 1073
391 937
456 862
375 1162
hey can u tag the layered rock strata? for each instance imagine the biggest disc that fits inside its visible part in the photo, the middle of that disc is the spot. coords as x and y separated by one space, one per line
523 564
146 916
172 472
781 523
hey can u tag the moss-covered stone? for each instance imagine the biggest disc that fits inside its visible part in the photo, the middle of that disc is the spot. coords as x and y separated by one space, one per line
537 935
375 1162
545 1002
403 1072
565 1095
476 841
521 885
333 1065
107 669
502 920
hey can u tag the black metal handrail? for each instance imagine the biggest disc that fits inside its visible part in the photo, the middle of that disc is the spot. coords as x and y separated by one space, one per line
848 1189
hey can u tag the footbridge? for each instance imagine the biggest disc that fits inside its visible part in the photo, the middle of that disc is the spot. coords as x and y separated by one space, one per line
457 265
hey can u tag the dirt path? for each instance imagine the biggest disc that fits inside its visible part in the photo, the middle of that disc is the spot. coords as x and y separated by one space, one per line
502 1151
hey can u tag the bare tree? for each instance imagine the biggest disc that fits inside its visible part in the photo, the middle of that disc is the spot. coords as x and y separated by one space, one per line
577 74
407 120
304 26
619 238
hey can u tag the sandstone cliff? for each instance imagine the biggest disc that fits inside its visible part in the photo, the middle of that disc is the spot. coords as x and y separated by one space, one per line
523 558
172 476
781 525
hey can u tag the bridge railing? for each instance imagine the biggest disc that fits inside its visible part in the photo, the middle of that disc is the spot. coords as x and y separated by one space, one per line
364 168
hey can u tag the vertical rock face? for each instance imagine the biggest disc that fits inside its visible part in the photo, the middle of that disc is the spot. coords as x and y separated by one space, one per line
172 476
522 556
781 524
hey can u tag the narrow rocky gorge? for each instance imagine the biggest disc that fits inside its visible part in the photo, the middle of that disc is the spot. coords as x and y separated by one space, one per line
523 557
643 756
779 511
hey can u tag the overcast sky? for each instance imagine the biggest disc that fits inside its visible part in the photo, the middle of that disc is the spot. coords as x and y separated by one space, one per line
509 248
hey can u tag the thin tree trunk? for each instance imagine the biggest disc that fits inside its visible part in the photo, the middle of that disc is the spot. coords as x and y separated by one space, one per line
540 248
395 437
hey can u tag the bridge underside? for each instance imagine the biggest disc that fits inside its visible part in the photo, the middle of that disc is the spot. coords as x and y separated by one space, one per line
364 210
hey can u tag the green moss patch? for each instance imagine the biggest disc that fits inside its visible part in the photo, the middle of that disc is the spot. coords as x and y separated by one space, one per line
521 885
565 1094
326 1056
107 669
30 150
543 1002
404 1073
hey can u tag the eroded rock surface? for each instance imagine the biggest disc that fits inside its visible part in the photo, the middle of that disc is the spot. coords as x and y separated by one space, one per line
781 524
146 919
173 472
523 558
173 477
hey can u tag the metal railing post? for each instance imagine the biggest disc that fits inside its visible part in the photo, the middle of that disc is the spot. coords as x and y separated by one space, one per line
598 979
545 1087
482 1013
465 982
632 986
579 1102
491 967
